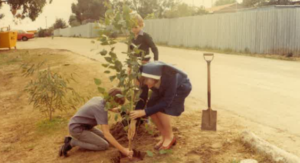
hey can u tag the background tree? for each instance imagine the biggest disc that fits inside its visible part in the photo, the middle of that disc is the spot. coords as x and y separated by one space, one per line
157 7
181 10
26 8
49 91
60 23
89 10
224 2
1 15
73 21
200 11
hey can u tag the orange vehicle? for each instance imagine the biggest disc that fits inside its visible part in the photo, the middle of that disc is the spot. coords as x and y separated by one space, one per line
24 36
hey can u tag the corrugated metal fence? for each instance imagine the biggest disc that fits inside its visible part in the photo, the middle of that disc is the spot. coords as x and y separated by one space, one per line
87 30
273 30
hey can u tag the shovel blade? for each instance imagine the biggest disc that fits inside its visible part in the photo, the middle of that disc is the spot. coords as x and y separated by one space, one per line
209 120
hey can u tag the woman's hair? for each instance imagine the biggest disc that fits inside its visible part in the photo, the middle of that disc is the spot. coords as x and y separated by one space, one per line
113 95
139 19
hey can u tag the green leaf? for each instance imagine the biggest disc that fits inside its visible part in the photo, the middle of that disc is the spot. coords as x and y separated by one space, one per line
162 152
119 96
97 81
118 66
103 38
123 108
116 117
112 42
167 151
112 78
112 67
113 55
107 71
105 43
107 21
105 65
103 52
149 153
109 12
108 59
126 128
107 106
101 90
126 10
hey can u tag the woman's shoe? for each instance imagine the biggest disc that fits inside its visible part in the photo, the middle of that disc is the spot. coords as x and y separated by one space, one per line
157 147
173 142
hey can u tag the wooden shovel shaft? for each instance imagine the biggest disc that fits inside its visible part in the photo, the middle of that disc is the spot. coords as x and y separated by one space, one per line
208 60
209 117
208 86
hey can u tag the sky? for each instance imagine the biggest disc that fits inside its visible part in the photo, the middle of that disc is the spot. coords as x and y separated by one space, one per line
61 9
57 9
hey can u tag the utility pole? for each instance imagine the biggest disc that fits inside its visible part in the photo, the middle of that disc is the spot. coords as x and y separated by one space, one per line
46 21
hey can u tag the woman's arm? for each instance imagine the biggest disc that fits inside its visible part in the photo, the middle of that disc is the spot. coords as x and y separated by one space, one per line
143 98
168 96
164 102
114 142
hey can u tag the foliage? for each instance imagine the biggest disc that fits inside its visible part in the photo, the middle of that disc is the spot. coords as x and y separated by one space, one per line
200 11
146 8
183 9
60 23
73 21
161 152
49 91
48 127
224 2
1 15
26 8
44 32
149 153
122 20
89 10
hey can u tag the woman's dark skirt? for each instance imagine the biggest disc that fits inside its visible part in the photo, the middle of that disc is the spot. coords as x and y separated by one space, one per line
177 105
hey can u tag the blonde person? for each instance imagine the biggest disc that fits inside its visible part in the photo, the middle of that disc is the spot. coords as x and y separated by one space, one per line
82 126
143 40
170 86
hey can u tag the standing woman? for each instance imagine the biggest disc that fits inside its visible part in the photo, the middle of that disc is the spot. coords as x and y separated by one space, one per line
170 86
143 40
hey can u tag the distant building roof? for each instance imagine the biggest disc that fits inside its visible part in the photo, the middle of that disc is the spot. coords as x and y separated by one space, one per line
239 7
217 9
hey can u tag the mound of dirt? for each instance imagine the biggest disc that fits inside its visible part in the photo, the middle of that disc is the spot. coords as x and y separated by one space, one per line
120 158
118 132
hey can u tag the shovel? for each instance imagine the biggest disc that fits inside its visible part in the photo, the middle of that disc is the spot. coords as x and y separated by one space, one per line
209 117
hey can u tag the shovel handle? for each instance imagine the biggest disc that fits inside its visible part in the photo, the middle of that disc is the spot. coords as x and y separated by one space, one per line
208 57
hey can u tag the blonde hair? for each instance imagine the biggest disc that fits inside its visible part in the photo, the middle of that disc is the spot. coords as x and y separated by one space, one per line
139 19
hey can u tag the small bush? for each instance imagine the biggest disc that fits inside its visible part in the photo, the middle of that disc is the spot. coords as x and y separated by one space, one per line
50 92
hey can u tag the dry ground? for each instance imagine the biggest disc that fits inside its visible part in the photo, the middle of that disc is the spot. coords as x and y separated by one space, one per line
26 137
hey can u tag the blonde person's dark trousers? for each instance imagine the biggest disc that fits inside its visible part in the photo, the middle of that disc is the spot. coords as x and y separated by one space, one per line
92 139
